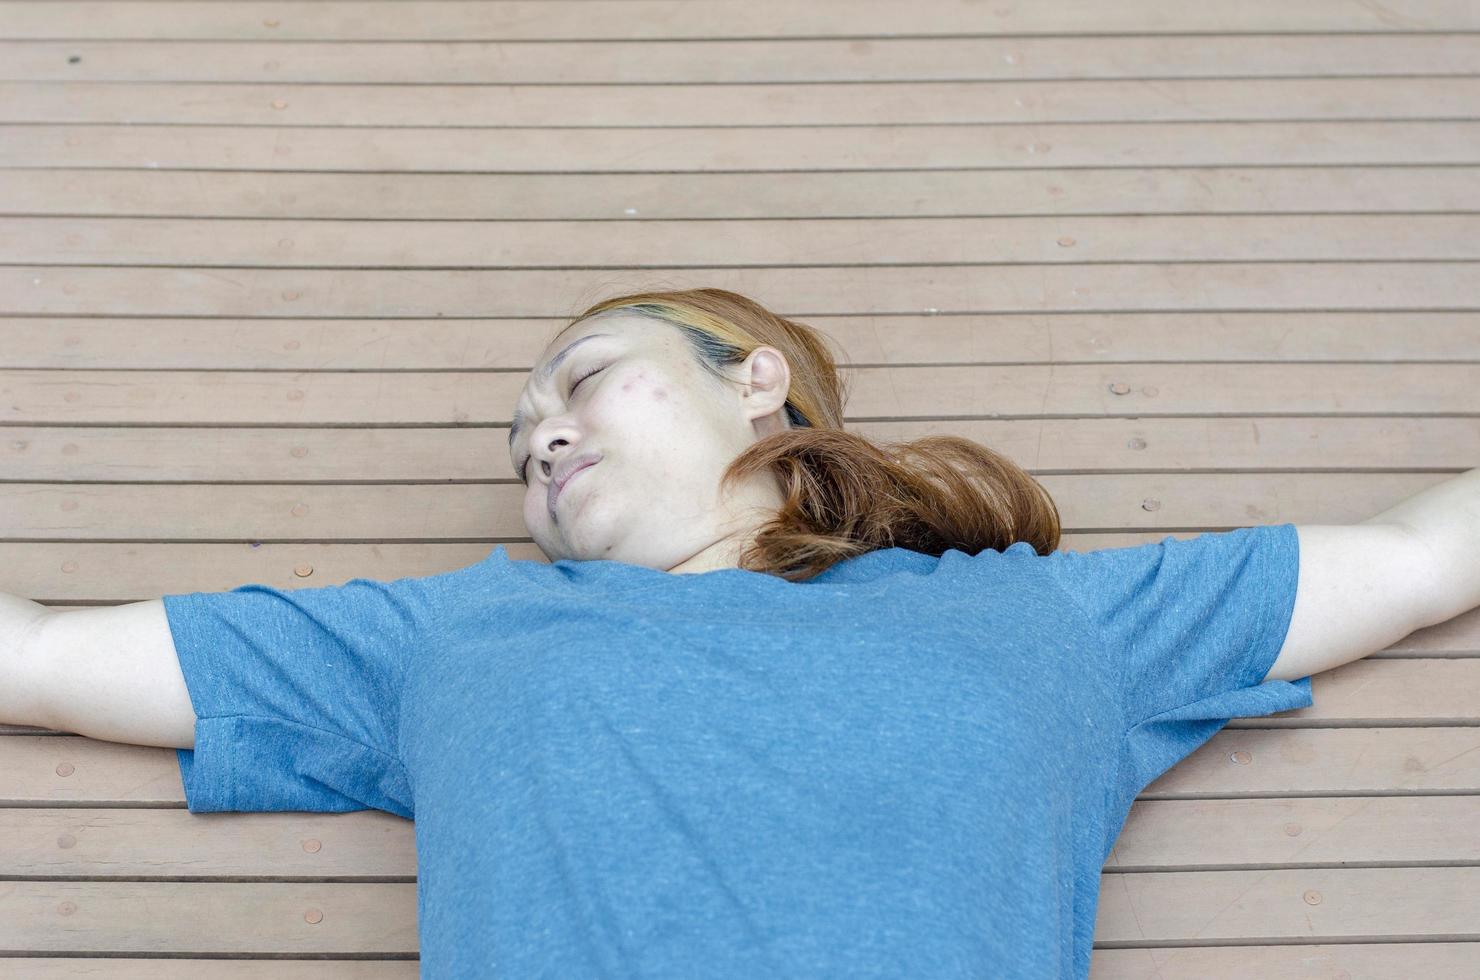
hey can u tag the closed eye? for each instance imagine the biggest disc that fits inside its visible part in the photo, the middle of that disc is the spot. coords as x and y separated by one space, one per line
583 377
523 477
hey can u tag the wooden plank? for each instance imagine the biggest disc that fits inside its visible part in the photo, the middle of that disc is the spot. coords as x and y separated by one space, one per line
1437 662
1292 962
179 968
130 842
894 393
802 291
1297 961
93 573
144 454
796 60
1401 722
251 917
217 917
1164 835
1313 904
784 148
751 104
1458 636
1326 761
1389 691
663 19
478 511
1301 762
113 573
629 197
110 573
626 245
1159 835
515 343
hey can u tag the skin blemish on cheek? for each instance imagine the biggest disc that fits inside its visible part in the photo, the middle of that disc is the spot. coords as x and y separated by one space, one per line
659 394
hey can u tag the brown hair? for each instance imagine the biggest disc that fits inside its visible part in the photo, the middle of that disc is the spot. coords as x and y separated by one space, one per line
845 494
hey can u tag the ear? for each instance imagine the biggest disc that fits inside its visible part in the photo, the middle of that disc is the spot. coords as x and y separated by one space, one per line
765 380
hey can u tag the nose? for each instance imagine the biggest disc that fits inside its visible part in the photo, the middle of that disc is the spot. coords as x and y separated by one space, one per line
545 465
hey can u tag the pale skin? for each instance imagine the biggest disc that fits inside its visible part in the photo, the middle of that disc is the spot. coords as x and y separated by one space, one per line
666 431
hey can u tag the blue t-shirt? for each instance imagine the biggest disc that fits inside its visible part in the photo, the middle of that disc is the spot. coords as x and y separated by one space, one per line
908 766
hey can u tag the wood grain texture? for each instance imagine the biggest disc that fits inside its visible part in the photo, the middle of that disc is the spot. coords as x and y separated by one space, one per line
1300 961
1321 761
217 917
531 198
873 59
800 289
185 968
714 148
621 20
272 276
1021 391
758 242
753 104
862 340
436 512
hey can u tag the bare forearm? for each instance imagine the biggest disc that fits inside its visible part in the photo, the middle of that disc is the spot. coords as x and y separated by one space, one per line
18 618
1447 517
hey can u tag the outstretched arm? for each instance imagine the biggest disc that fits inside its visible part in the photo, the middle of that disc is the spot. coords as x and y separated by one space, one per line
20 695
1364 586
1446 519
110 672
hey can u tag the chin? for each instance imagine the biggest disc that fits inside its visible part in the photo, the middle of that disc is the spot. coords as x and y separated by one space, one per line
572 552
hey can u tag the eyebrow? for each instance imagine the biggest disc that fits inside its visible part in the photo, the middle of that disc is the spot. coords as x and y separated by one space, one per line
544 375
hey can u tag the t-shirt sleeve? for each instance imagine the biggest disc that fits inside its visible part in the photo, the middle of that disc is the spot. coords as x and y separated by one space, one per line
1190 629
297 691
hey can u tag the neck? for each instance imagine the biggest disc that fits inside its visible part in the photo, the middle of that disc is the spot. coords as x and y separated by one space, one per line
724 553
718 555
749 514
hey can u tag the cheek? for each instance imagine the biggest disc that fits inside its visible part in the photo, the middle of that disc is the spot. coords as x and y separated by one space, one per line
639 381
642 412
534 493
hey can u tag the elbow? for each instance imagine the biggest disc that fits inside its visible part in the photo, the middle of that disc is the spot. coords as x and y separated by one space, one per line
23 695
1445 572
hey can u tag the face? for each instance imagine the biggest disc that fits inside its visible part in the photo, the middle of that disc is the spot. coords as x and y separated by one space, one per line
630 398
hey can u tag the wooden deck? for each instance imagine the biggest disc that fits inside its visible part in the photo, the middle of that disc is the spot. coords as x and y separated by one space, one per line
271 276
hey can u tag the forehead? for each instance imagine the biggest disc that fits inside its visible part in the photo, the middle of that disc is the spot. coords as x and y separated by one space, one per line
630 326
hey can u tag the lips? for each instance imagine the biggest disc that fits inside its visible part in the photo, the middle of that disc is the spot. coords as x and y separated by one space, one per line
555 488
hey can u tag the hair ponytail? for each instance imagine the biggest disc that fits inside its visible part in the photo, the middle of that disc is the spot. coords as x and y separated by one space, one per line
846 495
